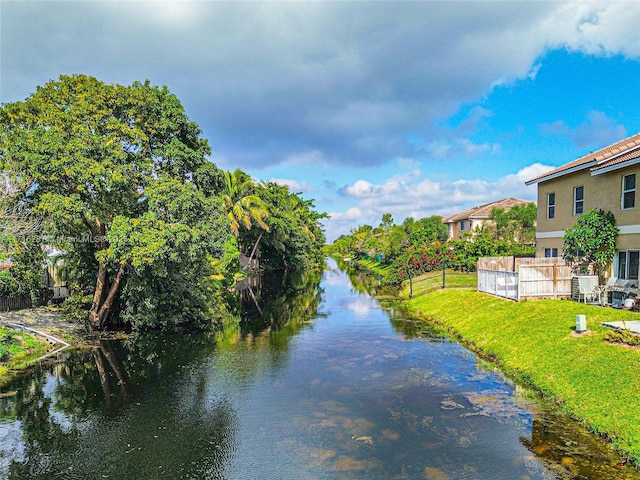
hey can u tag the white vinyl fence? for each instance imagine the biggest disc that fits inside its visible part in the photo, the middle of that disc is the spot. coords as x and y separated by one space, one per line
499 283
524 278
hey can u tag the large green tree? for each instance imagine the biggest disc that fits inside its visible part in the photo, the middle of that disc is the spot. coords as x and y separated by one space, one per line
517 224
19 243
243 207
426 230
295 238
591 241
92 151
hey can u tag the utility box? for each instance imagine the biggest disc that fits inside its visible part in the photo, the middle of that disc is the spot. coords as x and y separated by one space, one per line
581 323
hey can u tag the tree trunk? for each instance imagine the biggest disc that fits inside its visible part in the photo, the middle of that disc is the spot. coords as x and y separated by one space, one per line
94 321
104 377
253 252
102 304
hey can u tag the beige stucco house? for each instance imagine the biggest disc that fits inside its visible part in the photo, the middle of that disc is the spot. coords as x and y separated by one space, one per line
467 220
605 179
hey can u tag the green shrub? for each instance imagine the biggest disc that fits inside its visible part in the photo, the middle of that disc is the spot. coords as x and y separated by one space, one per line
76 307
623 336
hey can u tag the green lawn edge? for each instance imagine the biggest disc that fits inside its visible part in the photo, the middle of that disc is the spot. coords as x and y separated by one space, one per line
592 381
18 349
375 267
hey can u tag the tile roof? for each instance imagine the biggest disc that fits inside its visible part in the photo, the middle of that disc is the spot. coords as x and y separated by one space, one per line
630 155
619 152
483 211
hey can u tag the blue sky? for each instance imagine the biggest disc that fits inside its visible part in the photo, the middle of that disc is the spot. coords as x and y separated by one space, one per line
409 108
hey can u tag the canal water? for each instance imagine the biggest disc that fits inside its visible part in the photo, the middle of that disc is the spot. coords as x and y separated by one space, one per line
316 379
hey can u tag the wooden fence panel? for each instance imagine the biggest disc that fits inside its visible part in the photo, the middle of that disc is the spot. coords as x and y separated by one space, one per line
503 264
14 303
544 281
522 278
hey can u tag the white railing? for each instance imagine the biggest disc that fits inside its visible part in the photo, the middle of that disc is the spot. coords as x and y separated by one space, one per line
499 283
524 278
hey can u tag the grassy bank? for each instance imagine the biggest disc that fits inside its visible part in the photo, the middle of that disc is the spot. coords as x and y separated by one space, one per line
593 381
436 279
375 267
18 348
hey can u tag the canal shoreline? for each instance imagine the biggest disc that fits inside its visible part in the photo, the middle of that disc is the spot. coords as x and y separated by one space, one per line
342 387
587 378
48 320
47 324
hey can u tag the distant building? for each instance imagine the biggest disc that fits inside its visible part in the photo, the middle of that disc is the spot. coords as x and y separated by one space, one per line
467 220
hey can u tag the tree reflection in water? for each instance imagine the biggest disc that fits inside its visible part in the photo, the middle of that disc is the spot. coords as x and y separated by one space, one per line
131 409
280 301
145 407
332 405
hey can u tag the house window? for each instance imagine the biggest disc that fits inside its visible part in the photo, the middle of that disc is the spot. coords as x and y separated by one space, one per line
628 262
551 205
578 200
550 252
629 191
462 225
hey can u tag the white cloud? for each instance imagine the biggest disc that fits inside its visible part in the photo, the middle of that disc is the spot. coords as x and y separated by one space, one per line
459 147
600 28
360 189
424 197
533 73
294 185
514 185
469 191
349 216
409 164
455 142
178 14
269 84
309 157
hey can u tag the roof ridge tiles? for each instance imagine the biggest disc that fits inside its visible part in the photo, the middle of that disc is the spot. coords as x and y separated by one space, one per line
600 157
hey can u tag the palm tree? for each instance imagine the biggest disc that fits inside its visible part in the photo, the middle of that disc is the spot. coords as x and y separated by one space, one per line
302 211
244 208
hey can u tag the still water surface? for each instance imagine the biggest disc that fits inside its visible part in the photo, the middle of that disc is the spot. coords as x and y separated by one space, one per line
320 382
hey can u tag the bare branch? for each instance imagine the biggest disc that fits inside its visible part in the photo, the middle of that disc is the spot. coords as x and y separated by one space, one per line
16 220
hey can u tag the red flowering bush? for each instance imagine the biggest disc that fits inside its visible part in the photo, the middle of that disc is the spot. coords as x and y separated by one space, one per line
418 261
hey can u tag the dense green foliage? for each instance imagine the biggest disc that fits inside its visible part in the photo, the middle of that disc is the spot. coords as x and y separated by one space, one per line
171 248
25 277
388 242
419 246
517 224
91 155
19 244
151 231
243 207
588 378
591 241
295 238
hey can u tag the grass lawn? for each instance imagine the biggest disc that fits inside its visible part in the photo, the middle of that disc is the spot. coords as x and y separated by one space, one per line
375 267
433 281
595 382
18 348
